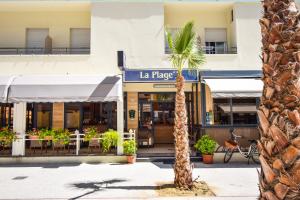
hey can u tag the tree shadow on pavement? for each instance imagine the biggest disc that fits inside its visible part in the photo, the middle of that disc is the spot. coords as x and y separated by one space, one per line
106 185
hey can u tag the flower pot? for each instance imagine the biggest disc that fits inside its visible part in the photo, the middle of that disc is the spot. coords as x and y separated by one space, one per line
208 159
33 137
131 159
48 138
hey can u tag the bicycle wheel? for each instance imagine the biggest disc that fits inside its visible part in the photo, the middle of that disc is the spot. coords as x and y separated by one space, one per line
228 155
254 153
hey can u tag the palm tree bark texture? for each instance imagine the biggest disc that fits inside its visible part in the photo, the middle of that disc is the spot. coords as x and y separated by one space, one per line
279 142
182 168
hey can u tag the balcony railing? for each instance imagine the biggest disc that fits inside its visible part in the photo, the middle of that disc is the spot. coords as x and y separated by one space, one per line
43 51
212 50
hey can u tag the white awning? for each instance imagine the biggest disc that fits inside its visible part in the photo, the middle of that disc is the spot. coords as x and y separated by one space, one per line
239 108
65 88
4 84
222 88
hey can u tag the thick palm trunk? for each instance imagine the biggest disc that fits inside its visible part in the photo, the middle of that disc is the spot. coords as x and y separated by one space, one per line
279 143
182 168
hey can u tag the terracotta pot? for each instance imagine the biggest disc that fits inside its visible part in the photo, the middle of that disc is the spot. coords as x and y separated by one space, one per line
131 159
34 137
48 138
208 159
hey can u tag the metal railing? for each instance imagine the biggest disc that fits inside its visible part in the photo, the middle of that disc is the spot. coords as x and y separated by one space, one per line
211 50
42 51
76 139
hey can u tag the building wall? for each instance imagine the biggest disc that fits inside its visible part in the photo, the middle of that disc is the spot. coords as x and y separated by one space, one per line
136 28
204 15
248 36
14 24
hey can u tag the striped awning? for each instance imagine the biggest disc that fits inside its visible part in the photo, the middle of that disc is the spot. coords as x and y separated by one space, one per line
65 88
4 84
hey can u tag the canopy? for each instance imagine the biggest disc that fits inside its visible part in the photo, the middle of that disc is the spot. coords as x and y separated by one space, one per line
65 88
222 88
4 84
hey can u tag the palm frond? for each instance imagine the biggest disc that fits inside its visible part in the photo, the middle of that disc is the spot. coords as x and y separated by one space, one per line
184 37
170 40
184 50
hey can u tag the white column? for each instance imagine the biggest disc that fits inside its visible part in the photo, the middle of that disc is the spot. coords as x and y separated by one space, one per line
120 125
19 126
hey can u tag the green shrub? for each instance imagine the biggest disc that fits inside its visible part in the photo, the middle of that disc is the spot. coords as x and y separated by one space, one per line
90 133
129 147
206 145
7 136
45 133
61 135
110 139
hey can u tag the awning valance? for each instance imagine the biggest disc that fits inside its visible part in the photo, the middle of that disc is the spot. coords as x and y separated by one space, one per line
65 88
223 88
4 84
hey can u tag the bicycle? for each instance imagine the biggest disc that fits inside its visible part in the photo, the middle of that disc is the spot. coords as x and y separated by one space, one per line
233 146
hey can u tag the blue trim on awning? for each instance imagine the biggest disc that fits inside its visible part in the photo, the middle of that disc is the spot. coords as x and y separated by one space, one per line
228 74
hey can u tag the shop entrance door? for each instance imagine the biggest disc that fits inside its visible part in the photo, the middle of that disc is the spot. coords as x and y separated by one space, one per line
163 121
146 129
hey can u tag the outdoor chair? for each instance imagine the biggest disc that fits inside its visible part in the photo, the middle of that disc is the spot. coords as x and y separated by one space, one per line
36 144
57 145
145 138
72 143
94 143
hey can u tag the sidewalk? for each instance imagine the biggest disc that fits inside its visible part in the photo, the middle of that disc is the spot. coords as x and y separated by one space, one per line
117 181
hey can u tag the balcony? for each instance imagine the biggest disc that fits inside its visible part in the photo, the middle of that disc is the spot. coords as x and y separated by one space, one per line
211 50
43 51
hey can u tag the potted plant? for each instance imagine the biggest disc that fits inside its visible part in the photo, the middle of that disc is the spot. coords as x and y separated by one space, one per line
34 134
62 136
130 150
7 136
90 134
46 134
110 139
206 145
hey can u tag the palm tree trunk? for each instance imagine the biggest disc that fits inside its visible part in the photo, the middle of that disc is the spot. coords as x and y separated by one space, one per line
279 143
182 168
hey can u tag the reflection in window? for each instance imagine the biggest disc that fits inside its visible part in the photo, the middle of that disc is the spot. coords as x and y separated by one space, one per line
244 111
6 115
43 115
241 110
79 116
222 114
72 116
38 115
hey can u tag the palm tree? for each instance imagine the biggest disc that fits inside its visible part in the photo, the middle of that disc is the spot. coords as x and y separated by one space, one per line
183 52
279 142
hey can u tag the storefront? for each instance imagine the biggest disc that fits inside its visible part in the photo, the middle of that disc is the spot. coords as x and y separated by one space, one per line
150 106
229 99
73 102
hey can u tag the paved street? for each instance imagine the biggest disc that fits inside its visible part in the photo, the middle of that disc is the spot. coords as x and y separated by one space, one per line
119 181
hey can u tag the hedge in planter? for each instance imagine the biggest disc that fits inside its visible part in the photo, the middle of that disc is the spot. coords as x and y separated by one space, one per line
110 139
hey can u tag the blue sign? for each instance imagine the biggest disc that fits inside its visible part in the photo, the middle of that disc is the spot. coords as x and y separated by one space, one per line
158 75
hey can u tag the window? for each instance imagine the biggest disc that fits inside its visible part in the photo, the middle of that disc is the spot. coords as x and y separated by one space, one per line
244 111
6 115
215 47
72 116
215 40
235 111
36 39
39 115
221 111
79 116
80 40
